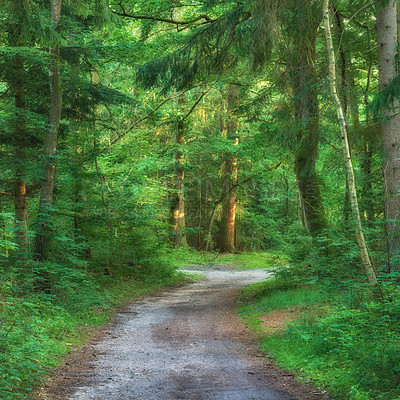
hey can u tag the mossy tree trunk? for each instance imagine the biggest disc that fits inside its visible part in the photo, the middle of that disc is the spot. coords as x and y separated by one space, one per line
307 119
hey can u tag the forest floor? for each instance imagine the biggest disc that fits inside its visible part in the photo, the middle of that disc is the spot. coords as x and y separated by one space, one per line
184 343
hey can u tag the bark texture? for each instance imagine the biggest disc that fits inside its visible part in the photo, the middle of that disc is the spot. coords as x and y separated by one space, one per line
21 229
227 231
386 27
178 201
307 119
366 262
50 145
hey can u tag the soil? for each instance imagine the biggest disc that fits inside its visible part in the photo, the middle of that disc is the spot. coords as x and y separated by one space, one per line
277 320
185 343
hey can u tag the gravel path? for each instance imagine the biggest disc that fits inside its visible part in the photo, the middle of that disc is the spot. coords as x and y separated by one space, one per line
186 343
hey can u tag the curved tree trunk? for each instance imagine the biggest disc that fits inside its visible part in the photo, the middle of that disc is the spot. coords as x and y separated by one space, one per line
366 262
386 27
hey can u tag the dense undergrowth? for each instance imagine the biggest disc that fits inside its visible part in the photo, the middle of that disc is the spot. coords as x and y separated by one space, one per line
345 337
38 328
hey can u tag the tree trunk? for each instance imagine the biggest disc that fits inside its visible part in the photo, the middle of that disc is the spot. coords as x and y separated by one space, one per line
110 252
307 116
343 60
386 27
226 236
366 262
50 146
21 229
178 201
368 207
200 212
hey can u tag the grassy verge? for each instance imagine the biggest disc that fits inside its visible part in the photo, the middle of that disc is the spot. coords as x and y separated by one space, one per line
354 351
267 259
37 329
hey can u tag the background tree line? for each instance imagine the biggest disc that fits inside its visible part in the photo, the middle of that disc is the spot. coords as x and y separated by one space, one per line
217 113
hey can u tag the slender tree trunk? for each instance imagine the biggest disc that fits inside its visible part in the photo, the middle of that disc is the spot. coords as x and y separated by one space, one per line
344 66
287 199
200 214
81 194
368 208
110 227
226 237
386 27
21 235
178 201
300 211
50 146
369 148
79 210
307 115
366 262
210 226
343 61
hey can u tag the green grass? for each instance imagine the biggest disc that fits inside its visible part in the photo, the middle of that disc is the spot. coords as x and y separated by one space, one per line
262 260
354 352
275 295
37 329
264 297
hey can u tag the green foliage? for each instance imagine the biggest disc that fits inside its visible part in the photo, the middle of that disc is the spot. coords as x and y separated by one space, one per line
352 351
184 256
36 329
7 243
276 294
239 32
116 172
269 259
346 339
386 97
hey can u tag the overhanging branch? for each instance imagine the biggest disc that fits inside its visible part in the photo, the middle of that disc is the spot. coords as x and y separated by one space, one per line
124 13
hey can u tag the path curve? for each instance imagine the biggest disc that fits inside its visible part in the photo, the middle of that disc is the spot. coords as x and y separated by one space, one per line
187 343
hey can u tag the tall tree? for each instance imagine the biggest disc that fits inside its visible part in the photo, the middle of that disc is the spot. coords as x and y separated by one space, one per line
178 221
386 27
366 262
20 186
302 64
50 144
226 237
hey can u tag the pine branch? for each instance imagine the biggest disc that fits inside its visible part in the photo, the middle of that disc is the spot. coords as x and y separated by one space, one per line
147 116
124 13
206 51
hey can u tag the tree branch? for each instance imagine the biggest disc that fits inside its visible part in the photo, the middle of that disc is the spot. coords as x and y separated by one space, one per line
147 116
123 13
195 104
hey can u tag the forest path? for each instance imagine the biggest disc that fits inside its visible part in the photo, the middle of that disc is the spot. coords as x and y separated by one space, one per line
185 343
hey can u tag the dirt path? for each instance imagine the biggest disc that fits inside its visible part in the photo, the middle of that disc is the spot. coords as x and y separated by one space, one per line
187 343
